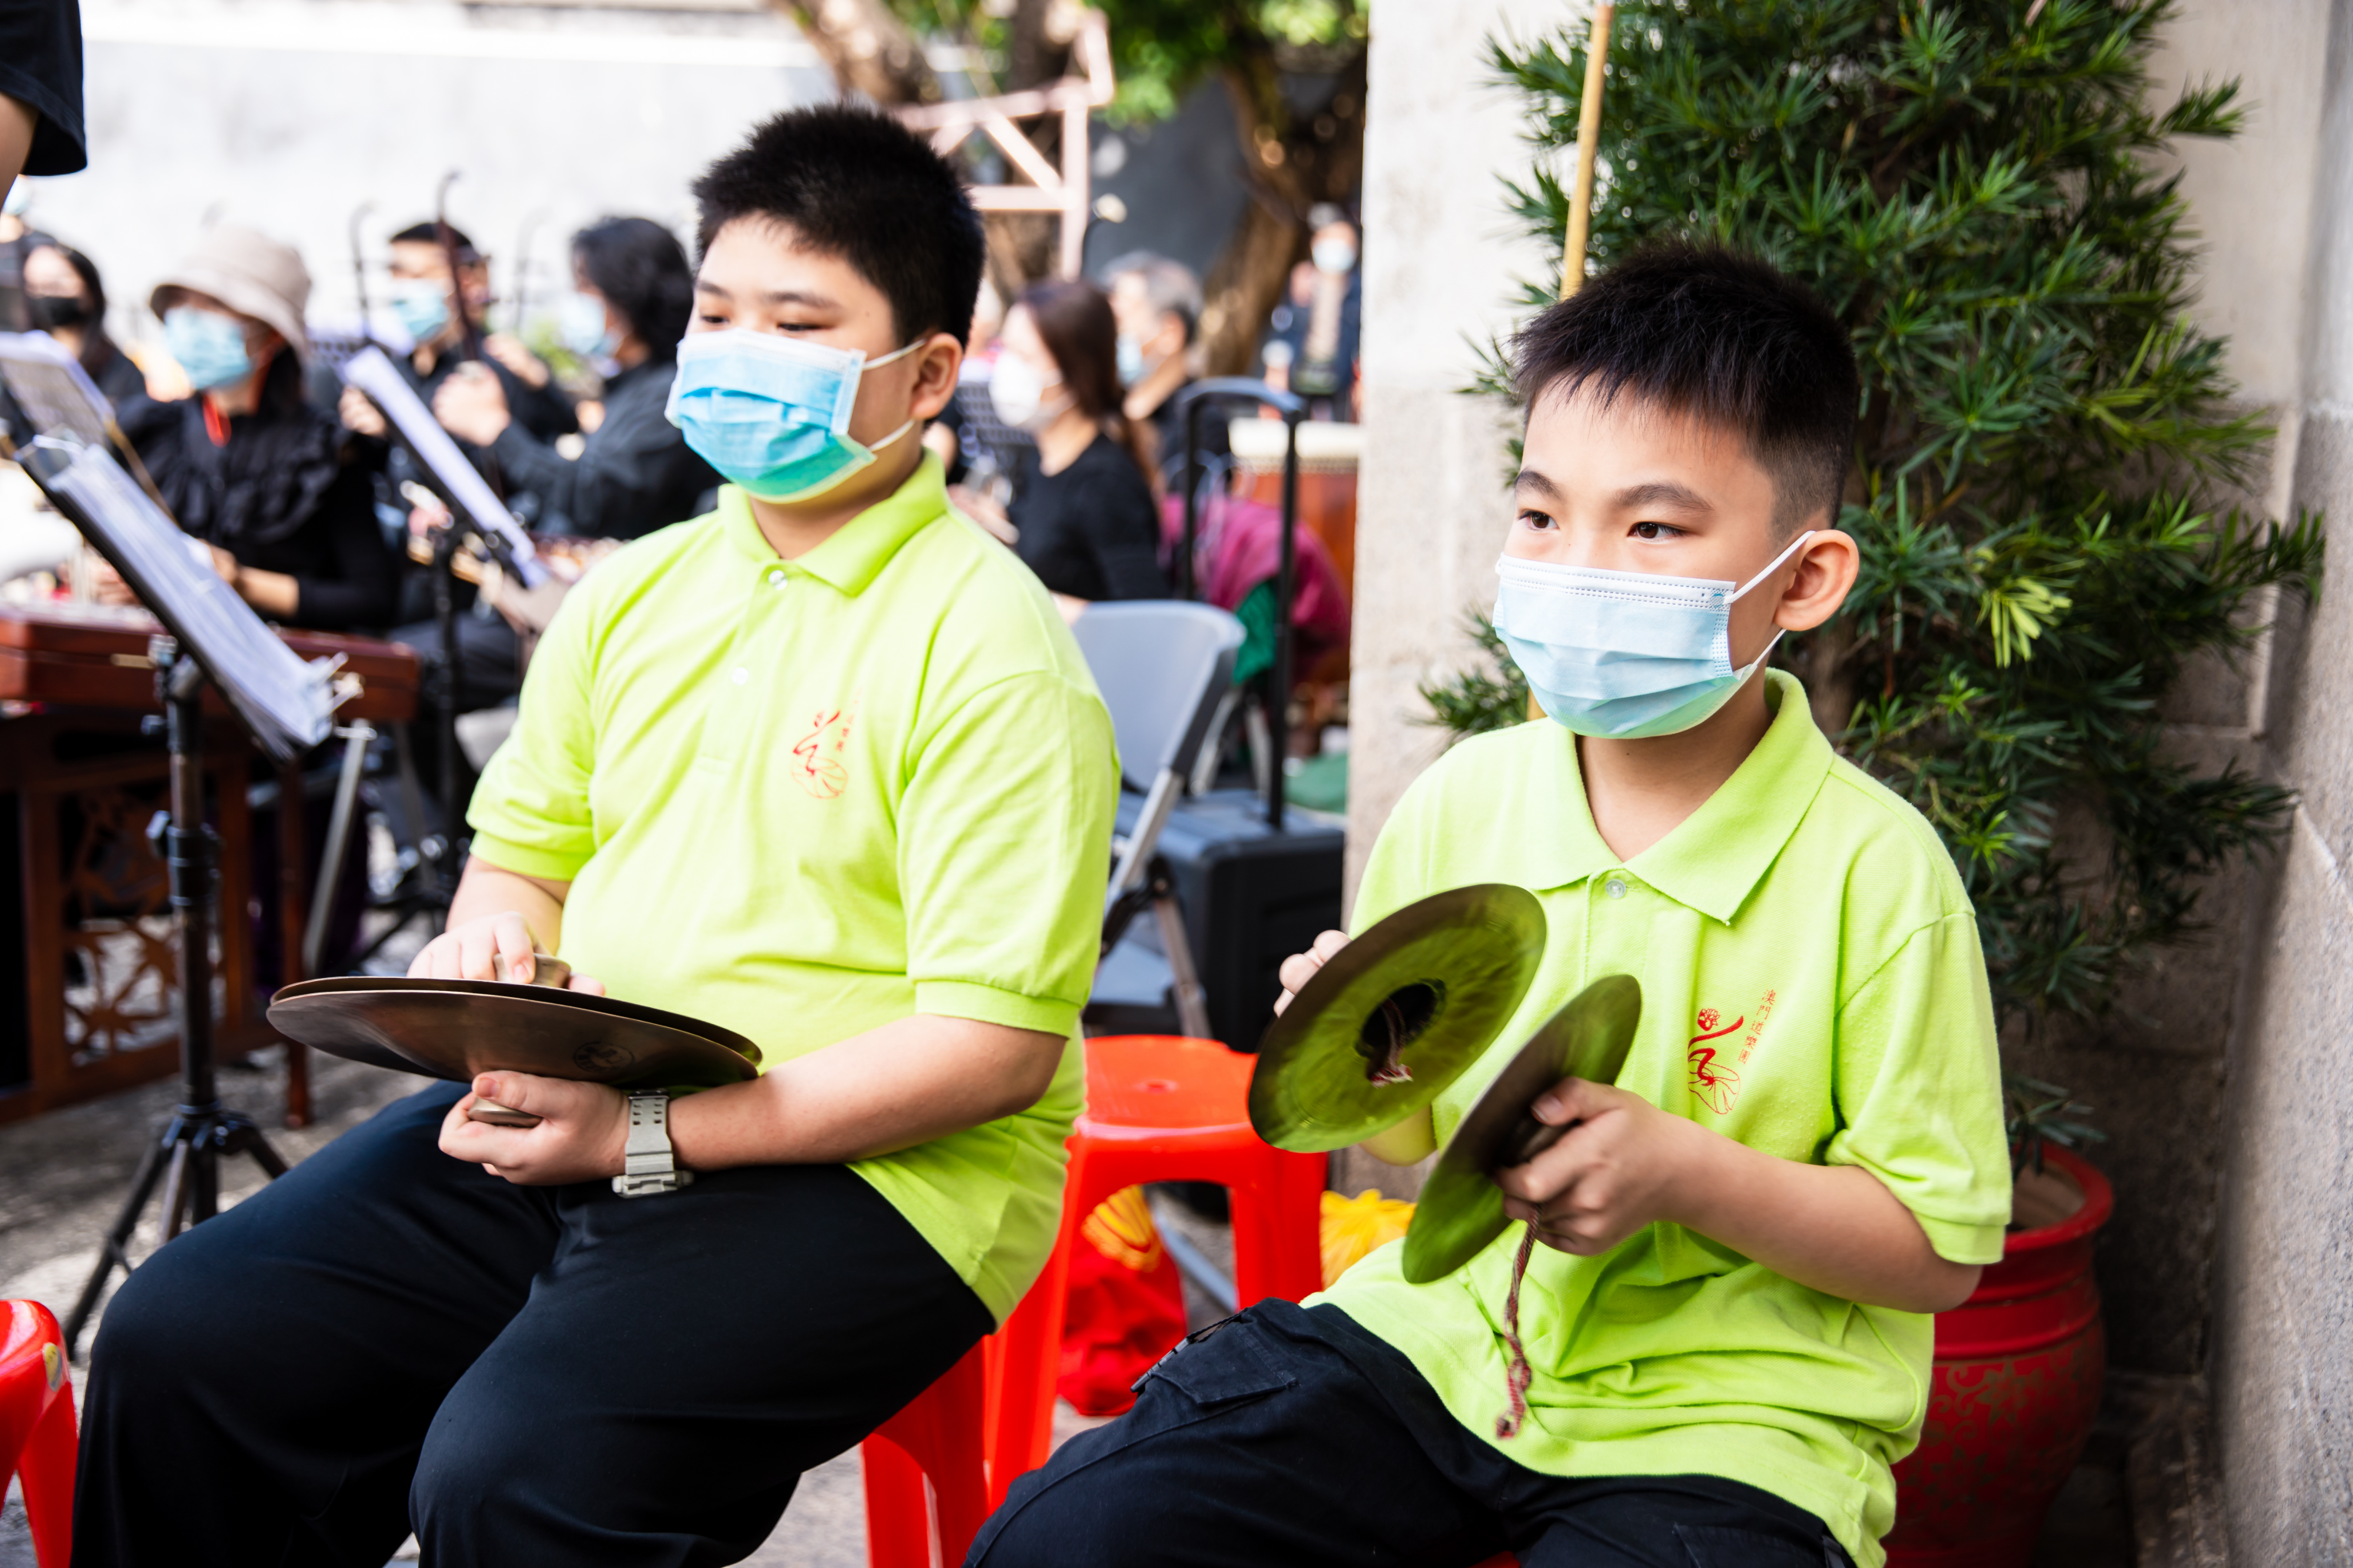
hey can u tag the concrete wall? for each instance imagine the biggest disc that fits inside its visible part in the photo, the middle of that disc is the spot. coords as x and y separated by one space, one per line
1441 263
2156 1067
288 114
2282 1372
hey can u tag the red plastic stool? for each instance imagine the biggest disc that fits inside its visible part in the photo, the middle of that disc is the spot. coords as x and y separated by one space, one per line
938 1438
1160 1108
36 1426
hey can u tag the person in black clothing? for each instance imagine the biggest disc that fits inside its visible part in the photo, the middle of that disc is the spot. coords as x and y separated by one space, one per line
425 298
1157 303
633 295
1082 507
64 297
276 486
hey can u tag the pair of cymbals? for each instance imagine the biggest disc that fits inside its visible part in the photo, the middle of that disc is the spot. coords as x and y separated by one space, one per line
1395 1017
457 1030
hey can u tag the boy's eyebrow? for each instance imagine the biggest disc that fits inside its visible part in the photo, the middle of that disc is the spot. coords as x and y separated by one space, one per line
1530 479
773 297
1661 492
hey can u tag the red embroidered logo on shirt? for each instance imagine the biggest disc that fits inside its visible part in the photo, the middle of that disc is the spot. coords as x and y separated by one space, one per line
818 755
1714 1080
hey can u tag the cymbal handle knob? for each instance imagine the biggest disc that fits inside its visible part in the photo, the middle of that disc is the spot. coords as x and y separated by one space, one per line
546 969
1527 1138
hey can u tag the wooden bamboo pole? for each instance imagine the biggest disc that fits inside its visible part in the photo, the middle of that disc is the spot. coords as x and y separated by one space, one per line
1588 139
1580 196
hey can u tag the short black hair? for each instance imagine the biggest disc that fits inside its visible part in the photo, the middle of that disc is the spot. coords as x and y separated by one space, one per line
1705 330
859 185
430 233
640 269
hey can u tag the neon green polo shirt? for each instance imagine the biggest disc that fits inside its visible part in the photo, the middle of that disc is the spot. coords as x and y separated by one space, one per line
1812 986
805 798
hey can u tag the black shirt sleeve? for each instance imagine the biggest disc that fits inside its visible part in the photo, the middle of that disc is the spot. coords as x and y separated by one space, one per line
40 67
544 411
635 473
351 582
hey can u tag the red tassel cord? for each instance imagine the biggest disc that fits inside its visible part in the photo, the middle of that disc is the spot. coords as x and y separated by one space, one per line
1516 1376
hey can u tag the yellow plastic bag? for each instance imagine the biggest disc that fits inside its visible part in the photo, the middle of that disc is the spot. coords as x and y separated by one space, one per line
1354 1226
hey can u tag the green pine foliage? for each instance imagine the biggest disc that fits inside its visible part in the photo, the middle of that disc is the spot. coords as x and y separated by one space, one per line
1976 186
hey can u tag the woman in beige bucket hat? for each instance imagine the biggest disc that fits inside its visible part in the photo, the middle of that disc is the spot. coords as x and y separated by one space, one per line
278 488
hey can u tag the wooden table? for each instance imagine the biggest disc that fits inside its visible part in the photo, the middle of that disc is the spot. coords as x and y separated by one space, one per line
87 949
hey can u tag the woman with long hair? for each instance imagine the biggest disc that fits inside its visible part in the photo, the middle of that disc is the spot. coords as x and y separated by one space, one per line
1081 504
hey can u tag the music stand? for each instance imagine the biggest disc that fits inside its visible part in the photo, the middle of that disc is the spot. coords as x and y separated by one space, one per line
287 704
58 396
474 508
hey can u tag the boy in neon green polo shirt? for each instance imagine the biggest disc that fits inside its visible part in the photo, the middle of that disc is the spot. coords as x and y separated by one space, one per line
826 768
1728 1324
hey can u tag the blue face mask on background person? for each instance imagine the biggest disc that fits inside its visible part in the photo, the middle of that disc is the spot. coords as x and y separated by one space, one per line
1130 361
421 306
209 346
586 330
771 413
1624 655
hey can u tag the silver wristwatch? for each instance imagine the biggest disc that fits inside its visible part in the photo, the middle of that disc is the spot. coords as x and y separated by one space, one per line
650 1165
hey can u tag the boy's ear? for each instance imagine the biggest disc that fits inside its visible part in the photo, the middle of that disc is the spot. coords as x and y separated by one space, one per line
936 364
1825 569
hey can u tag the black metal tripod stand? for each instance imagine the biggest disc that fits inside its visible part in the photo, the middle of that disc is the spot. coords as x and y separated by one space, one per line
439 856
187 1157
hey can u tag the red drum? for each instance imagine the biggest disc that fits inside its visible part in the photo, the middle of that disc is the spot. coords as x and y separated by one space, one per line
2016 1385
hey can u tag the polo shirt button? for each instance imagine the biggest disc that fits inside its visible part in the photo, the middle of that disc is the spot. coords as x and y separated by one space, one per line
1615 887
739 675
777 578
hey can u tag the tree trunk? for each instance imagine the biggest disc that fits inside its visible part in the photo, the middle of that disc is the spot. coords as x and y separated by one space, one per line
1292 160
870 51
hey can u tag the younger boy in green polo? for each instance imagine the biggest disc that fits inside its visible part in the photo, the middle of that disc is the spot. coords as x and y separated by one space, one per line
1728 1326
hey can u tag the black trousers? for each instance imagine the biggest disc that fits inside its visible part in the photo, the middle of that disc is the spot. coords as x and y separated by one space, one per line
389 1339
1290 1436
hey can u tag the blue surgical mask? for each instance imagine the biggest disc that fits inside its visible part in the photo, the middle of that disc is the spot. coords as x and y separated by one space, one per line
587 329
1130 361
209 346
1624 655
771 413
422 307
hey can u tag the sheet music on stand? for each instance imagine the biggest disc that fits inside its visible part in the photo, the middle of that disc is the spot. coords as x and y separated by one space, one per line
50 385
377 377
289 703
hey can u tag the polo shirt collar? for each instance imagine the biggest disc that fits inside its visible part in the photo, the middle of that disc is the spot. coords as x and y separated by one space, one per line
855 555
1715 859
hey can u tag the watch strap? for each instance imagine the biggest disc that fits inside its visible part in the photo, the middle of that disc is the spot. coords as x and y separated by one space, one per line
650 1164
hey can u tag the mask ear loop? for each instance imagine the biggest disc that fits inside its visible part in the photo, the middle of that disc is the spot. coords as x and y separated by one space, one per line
1775 564
1771 567
895 354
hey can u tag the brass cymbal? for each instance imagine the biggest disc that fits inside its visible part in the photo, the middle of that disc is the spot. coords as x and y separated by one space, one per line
457 1029
1461 1209
1395 1017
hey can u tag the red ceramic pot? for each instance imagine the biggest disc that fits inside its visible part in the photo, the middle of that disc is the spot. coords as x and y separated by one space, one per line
2016 1386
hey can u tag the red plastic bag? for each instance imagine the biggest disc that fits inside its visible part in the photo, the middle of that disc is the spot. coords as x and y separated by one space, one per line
1125 1308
